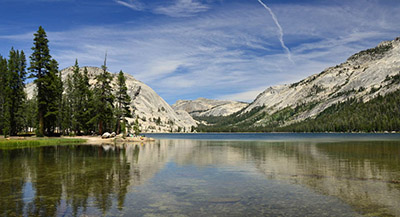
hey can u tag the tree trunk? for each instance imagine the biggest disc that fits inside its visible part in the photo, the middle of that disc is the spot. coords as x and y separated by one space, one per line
101 127
41 124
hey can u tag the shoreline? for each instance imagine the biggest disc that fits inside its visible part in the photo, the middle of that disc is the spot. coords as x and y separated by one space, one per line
97 140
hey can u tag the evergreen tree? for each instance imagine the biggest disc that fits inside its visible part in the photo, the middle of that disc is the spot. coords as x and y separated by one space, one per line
48 82
67 106
30 117
79 102
103 101
123 101
136 126
59 95
76 99
39 65
52 98
13 93
3 84
15 98
87 100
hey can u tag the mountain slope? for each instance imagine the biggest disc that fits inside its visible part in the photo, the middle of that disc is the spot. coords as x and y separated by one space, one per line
364 76
155 115
208 107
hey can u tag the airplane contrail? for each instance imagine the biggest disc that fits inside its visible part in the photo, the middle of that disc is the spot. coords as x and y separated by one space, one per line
280 30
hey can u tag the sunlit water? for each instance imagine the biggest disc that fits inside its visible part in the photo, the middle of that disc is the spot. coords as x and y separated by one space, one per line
207 175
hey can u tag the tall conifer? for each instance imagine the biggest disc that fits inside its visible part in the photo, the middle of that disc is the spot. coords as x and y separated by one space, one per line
76 99
3 84
48 82
104 101
39 65
52 98
123 101
87 100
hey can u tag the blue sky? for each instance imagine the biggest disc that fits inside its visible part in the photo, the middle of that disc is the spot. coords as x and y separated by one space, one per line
185 49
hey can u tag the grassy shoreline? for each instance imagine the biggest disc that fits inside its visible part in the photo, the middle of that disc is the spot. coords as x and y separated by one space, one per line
37 142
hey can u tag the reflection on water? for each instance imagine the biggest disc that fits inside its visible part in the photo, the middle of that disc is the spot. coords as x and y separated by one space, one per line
193 177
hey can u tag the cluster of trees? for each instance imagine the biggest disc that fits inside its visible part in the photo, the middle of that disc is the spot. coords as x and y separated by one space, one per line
13 103
71 107
87 108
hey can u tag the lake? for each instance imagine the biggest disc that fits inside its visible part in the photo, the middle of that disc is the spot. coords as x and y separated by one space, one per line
276 174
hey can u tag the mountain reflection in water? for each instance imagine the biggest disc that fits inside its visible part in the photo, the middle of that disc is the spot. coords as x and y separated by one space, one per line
194 177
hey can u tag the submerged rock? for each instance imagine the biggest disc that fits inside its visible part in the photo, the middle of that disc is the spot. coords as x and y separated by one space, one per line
225 200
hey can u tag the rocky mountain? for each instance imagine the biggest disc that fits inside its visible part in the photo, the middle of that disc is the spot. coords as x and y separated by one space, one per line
155 115
364 76
208 107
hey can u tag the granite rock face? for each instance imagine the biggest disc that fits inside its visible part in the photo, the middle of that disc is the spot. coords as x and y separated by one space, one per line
209 107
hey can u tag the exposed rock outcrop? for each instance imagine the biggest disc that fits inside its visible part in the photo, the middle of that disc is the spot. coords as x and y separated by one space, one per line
209 107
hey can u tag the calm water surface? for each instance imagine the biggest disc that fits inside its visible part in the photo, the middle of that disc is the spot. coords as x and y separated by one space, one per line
207 175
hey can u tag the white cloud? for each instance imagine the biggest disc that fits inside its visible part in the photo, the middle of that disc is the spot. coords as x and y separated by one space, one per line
247 96
182 8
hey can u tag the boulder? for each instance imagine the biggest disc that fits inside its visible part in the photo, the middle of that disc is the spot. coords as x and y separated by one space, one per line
106 135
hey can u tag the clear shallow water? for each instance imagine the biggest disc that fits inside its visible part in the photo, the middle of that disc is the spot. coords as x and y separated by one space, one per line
323 176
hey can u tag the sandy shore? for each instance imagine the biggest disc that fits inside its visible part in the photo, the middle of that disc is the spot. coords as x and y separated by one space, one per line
99 140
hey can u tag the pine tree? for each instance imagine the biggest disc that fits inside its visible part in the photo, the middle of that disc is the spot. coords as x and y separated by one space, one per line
39 65
76 99
123 101
15 98
87 100
103 101
48 82
3 84
30 117
67 106
136 127
52 98
59 95
13 93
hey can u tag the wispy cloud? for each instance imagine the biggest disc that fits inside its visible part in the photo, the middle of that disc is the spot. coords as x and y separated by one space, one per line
132 4
280 30
182 8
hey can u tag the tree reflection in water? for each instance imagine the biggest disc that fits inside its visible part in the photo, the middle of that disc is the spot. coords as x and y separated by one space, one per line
65 179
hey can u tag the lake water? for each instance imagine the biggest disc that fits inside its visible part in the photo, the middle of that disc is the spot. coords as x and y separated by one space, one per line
207 175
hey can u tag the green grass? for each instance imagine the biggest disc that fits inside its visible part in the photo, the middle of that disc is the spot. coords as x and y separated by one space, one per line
14 143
